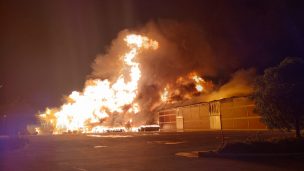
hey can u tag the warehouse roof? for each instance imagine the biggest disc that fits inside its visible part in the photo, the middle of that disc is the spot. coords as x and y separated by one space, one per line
192 101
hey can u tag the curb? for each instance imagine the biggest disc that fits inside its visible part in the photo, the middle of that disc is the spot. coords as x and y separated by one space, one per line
215 154
191 154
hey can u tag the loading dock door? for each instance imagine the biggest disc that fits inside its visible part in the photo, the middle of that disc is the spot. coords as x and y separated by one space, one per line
215 115
179 123
215 122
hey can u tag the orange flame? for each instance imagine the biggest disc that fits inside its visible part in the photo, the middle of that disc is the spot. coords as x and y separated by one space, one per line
198 81
100 98
180 90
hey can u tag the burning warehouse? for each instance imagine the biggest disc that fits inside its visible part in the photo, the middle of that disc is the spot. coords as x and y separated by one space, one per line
235 113
155 76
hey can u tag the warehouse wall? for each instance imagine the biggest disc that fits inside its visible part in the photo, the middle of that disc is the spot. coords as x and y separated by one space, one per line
215 112
237 113
230 114
167 119
195 117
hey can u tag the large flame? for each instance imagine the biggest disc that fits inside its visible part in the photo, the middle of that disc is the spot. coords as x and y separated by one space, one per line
185 87
85 111
198 81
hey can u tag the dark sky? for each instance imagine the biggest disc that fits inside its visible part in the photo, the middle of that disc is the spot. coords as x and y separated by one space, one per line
47 47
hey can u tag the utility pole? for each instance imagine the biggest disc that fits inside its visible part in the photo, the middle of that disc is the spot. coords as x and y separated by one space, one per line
3 124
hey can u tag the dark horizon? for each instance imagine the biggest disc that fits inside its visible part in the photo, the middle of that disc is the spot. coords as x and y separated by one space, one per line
47 48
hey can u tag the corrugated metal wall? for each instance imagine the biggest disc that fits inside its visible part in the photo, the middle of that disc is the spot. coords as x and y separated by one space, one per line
237 113
167 119
195 117
233 113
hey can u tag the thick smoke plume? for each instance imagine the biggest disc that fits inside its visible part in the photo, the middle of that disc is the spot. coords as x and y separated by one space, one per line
240 84
183 48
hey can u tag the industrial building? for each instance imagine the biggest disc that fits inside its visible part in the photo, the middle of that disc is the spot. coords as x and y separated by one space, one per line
235 113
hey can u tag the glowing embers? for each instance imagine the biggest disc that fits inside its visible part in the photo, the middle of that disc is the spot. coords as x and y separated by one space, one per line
86 111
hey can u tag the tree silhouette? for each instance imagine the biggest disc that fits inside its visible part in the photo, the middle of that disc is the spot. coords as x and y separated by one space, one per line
279 95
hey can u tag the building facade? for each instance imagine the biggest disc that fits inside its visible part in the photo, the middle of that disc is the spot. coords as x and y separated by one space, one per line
234 113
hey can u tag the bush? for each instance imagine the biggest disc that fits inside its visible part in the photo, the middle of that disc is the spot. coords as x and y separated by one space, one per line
286 145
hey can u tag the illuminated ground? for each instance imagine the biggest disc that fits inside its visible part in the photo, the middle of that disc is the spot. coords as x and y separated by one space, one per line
133 151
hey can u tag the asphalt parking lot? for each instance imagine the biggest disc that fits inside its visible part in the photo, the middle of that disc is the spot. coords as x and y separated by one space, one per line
136 151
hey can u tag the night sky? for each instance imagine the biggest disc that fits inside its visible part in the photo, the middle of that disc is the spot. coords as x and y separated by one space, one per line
47 47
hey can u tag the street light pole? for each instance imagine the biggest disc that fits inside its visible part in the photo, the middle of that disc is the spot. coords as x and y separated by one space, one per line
222 133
